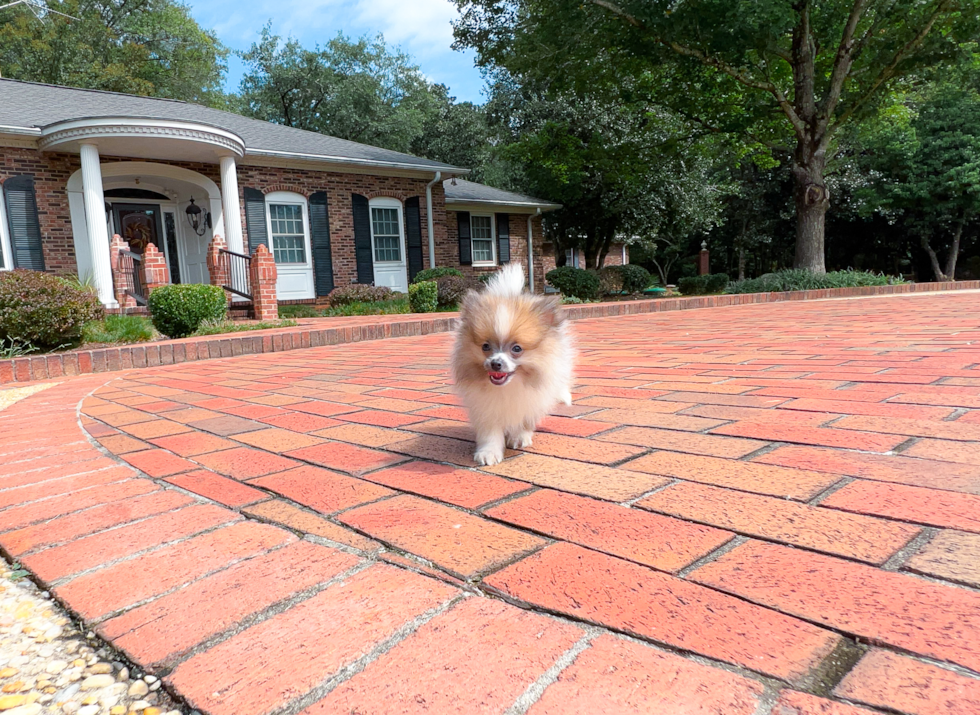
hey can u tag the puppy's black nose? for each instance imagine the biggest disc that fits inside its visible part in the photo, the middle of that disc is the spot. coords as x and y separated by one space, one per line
496 365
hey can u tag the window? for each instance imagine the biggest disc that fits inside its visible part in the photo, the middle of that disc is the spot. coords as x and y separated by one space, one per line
288 234
387 236
481 232
571 258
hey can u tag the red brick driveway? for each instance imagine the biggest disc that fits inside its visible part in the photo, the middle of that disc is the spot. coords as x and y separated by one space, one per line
758 509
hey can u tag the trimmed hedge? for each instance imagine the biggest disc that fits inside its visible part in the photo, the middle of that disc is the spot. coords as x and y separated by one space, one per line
791 279
431 274
635 278
359 293
576 282
451 289
178 310
44 310
423 297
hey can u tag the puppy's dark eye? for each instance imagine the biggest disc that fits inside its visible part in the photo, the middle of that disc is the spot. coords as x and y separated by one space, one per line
486 347
517 349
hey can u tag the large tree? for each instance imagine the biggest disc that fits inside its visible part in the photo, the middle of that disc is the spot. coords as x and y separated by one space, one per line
781 72
148 47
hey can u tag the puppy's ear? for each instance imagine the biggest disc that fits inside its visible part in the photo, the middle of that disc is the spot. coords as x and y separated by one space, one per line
551 311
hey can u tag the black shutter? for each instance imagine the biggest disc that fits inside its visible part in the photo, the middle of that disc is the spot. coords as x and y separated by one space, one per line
22 219
503 238
363 251
320 238
413 236
465 244
258 232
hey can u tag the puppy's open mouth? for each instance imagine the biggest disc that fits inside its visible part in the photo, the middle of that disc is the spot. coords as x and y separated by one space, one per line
499 378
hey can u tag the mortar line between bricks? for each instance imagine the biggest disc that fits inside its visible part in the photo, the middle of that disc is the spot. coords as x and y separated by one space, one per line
348 671
65 495
482 508
62 580
955 415
644 495
223 567
270 611
536 689
730 545
771 447
898 559
836 486
51 479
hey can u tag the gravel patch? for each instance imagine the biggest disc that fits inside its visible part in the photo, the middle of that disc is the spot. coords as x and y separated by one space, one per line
11 395
49 667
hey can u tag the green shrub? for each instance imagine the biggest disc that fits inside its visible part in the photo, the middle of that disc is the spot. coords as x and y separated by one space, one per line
451 289
301 310
178 310
378 307
118 329
610 281
14 348
484 278
431 274
576 282
693 285
717 282
220 327
44 310
359 293
635 278
423 297
792 279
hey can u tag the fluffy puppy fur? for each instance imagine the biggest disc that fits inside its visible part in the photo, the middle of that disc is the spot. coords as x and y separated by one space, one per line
512 362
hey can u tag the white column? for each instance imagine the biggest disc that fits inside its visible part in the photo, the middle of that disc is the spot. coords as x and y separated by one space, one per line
229 205
95 223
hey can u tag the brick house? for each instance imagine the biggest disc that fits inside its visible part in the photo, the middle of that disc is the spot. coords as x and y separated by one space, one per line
199 190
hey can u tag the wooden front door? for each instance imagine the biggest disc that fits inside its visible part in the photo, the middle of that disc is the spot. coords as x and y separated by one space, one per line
138 224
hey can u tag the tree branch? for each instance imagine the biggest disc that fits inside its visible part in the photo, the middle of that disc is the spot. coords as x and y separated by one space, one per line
889 71
842 63
709 61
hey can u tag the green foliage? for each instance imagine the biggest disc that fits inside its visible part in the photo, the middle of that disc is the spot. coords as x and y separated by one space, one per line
634 278
147 47
359 293
13 348
798 279
431 274
44 310
717 282
576 282
178 310
380 307
484 278
220 327
118 329
423 297
299 311
703 285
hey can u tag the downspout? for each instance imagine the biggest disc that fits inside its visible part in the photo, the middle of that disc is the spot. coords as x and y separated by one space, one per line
428 215
530 252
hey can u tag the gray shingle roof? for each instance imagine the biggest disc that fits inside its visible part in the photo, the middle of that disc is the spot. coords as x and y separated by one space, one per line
33 105
471 192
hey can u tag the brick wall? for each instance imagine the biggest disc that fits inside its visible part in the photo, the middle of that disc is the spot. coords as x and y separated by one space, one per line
447 253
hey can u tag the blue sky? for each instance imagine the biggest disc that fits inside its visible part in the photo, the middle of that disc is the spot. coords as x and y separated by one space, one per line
420 27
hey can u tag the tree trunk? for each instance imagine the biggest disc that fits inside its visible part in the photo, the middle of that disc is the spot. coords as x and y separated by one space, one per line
934 260
954 251
812 200
741 263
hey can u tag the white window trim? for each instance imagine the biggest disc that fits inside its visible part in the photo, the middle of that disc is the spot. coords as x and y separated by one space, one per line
289 198
493 240
5 247
386 202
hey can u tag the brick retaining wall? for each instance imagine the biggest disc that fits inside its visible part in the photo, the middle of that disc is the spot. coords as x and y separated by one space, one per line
336 331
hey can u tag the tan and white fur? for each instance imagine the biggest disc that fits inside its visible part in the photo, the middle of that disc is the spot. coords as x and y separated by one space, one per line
512 362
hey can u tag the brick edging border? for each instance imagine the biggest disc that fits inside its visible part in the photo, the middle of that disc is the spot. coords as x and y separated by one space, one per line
170 352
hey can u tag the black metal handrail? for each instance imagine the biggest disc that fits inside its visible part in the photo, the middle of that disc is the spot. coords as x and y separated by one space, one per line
237 269
131 266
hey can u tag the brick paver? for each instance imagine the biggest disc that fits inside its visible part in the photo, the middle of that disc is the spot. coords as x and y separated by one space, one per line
757 509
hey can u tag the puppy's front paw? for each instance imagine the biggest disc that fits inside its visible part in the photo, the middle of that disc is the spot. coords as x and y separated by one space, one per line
520 440
488 456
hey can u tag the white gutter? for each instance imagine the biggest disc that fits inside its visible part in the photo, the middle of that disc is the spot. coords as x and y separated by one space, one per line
530 252
326 158
428 215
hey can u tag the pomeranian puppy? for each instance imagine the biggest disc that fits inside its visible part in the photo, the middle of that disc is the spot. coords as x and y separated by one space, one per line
512 362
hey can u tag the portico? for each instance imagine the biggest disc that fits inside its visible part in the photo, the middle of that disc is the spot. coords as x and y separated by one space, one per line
145 199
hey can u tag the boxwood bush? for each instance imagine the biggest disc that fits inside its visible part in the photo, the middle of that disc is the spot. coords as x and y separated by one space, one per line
423 297
178 310
359 293
576 282
635 278
451 289
700 285
792 279
431 274
44 310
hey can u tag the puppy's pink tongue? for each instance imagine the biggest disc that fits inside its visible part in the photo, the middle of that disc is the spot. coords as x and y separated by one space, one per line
498 375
